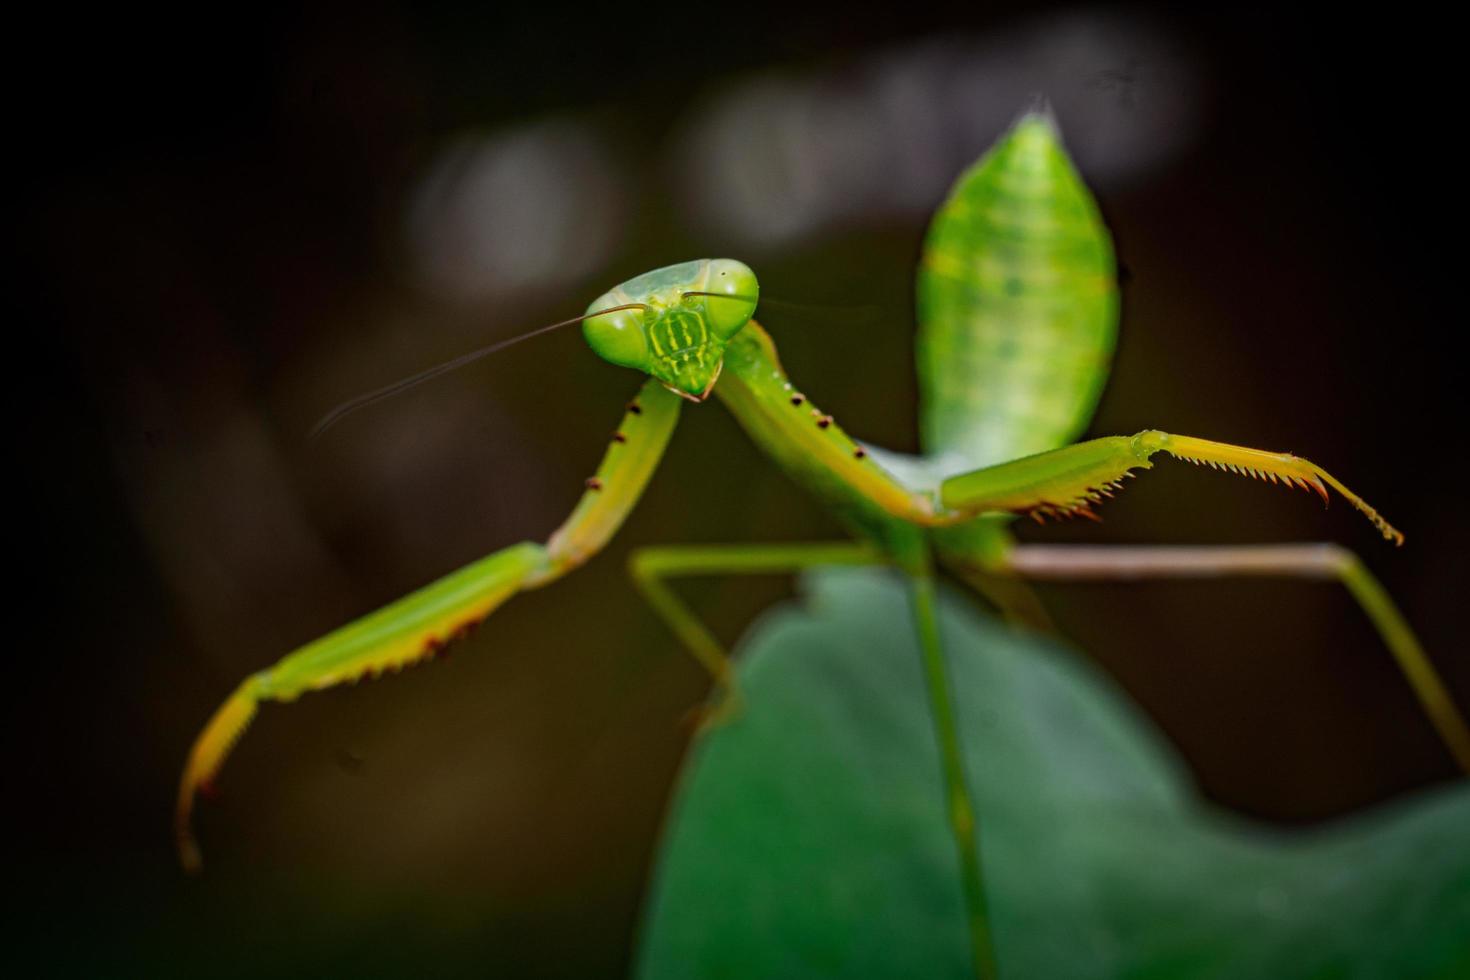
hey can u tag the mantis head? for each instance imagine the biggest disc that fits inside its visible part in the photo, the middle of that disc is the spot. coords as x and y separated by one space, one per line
674 322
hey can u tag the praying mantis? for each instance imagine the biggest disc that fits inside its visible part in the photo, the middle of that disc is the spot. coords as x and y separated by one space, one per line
1018 309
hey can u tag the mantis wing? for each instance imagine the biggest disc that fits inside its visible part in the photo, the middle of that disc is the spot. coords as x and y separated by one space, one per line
1017 305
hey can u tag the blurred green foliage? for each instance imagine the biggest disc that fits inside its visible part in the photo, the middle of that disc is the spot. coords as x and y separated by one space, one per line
808 838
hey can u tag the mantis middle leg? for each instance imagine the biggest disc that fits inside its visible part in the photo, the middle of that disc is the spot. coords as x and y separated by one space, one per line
651 567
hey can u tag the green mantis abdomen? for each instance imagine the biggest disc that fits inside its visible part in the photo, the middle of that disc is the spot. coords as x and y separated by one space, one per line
1017 303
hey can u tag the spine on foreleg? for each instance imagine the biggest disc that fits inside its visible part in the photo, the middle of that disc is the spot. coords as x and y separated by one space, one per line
1069 481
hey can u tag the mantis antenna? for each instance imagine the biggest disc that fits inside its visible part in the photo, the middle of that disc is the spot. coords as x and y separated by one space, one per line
403 384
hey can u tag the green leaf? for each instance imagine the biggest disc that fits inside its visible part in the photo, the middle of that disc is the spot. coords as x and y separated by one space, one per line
808 838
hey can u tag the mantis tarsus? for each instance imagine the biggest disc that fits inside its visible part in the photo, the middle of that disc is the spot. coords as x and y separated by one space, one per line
1018 307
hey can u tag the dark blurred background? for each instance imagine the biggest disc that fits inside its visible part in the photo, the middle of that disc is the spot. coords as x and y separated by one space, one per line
228 226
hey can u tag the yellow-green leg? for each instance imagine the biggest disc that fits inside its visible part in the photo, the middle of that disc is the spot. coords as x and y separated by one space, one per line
651 567
419 625
1328 562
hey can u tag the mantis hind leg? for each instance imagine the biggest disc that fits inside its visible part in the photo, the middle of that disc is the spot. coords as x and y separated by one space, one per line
650 569
1328 562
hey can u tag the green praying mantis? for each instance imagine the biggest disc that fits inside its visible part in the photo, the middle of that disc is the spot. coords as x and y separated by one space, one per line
1018 309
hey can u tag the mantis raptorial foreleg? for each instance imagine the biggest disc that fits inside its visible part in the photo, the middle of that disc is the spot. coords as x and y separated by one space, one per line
1328 562
418 626
1062 482
1070 481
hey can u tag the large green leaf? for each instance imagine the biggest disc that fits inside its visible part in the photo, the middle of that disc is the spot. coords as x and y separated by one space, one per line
808 837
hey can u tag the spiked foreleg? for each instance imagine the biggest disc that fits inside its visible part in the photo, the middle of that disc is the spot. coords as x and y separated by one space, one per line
419 625
1071 481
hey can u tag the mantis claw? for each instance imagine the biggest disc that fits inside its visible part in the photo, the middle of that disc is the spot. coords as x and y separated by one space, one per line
205 760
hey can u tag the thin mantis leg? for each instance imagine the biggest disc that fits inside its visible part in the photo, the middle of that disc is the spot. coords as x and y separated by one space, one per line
1328 562
419 625
650 567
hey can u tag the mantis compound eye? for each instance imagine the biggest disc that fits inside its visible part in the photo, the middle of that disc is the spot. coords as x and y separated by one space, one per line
730 293
618 335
